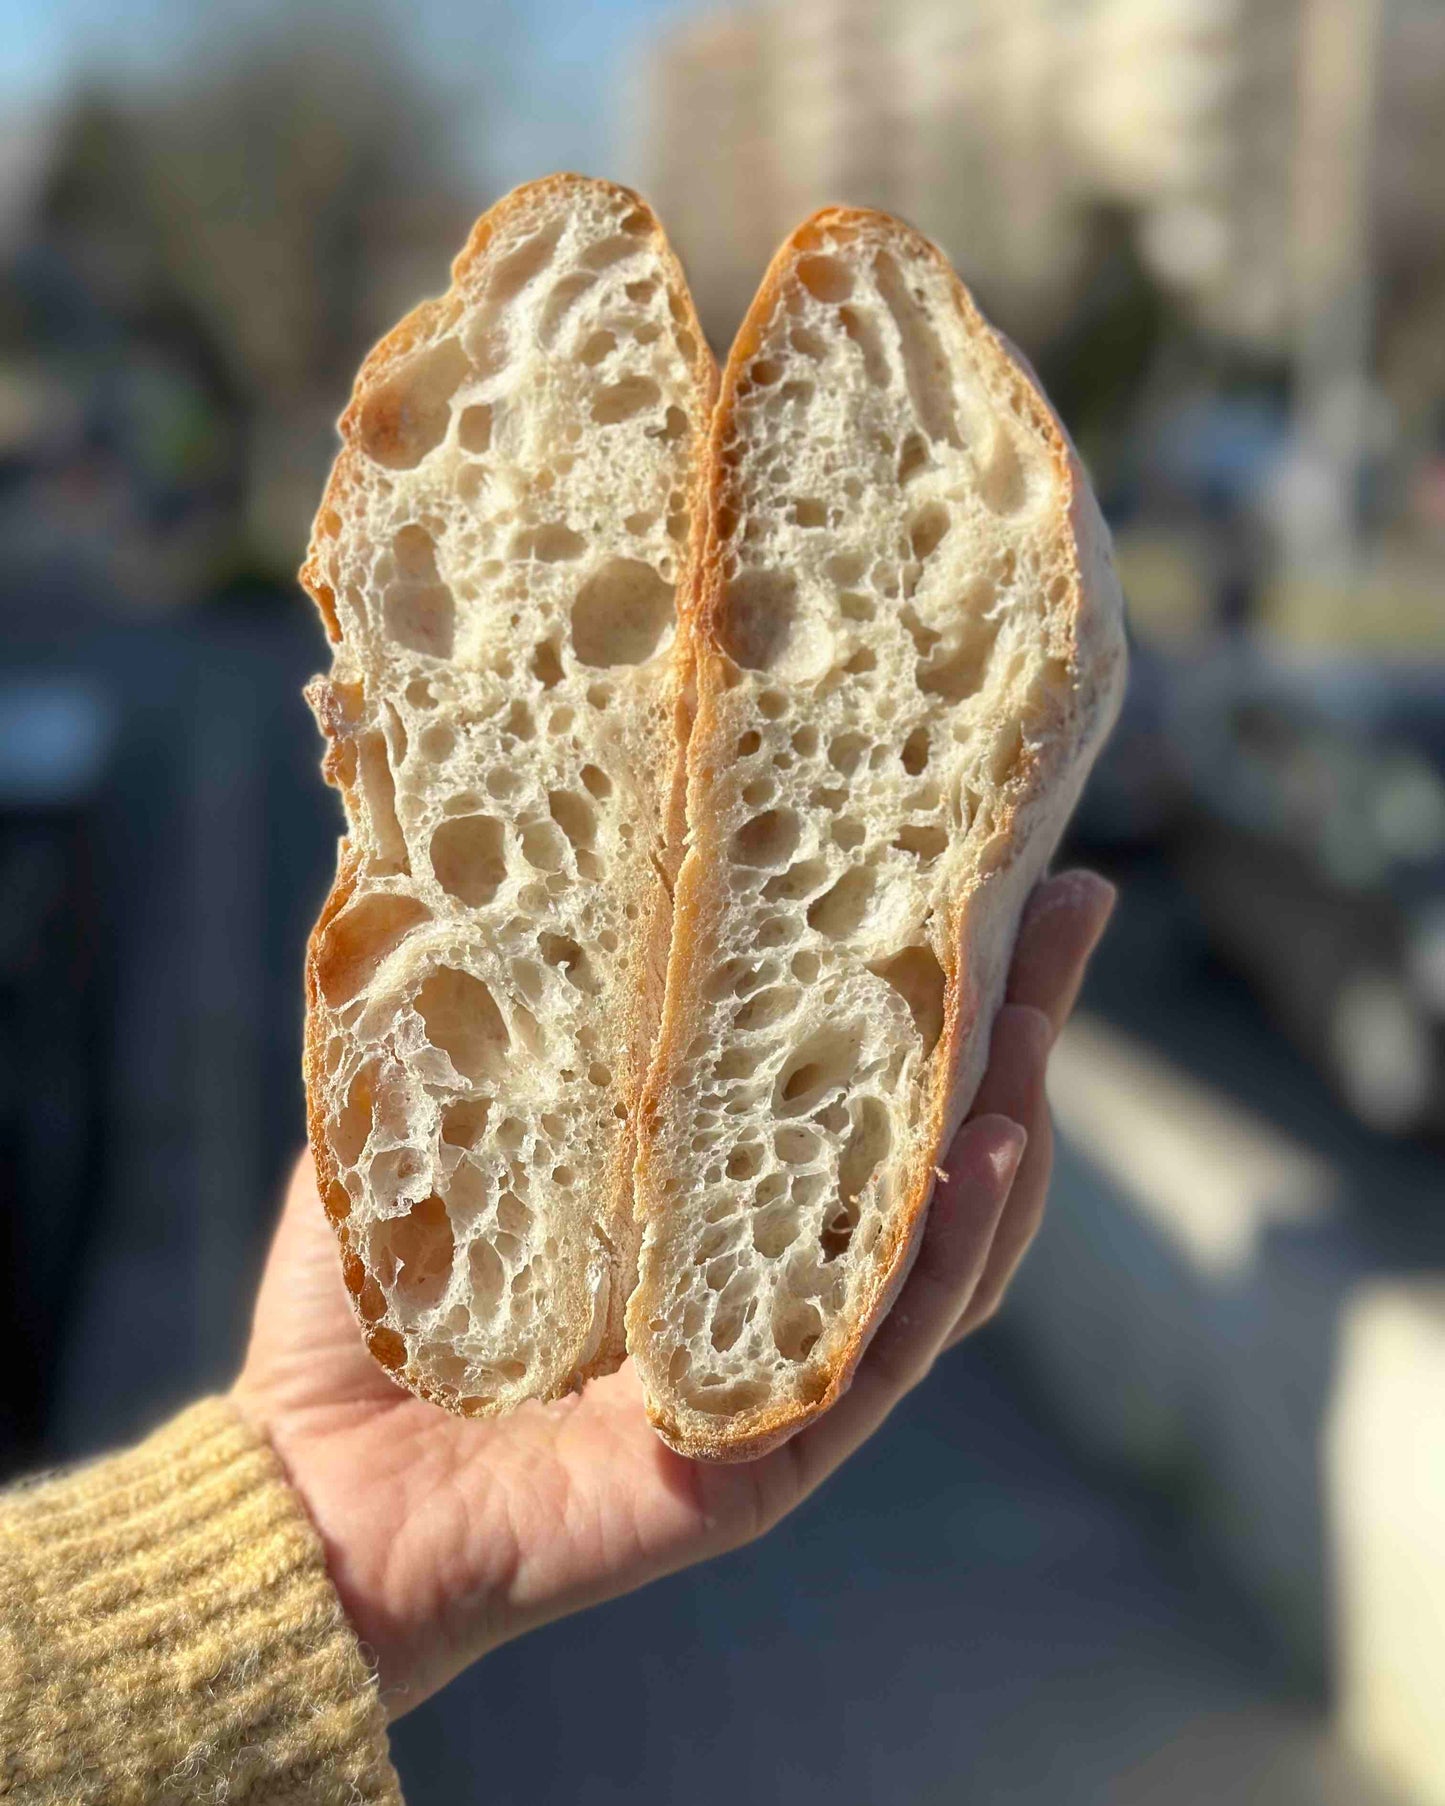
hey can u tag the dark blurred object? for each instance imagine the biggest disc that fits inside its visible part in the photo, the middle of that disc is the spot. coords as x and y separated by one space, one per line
1136 790
1315 848
159 972
56 750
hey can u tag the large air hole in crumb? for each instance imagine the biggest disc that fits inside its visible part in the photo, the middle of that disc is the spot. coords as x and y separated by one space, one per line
731 1400
520 722
915 752
925 364
777 931
736 1063
795 1145
474 429
776 1228
745 1161
623 399
597 782
561 951
845 751
574 815
527 977
542 846
924 637
766 1008
924 841
488 1278
729 1314
864 335
465 1121
513 1216
512 272
824 1063
762 628
622 614
468 858
799 881
379 785
1004 754
421 617
551 542
421 1247
825 278
863 1153
1003 481
841 910
768 840
547 666
913 457
927 530
406 416
350 1127
596 347
955 671
387 1348
918 978
359 939
462 1019
797 1325
562 297
392 1174
607 251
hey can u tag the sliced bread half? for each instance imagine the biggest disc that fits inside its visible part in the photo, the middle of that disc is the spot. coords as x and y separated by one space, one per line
908 647
498 559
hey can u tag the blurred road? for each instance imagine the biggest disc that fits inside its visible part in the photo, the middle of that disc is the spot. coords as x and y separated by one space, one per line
963 1615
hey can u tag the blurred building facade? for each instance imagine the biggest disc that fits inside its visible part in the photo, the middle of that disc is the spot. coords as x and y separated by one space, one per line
1279 161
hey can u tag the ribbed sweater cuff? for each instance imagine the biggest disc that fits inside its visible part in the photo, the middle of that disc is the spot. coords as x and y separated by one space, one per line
168 1633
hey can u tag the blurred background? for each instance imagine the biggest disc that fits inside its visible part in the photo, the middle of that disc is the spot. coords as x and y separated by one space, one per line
1173 1529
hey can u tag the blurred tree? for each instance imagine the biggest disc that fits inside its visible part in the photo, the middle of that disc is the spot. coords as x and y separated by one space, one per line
210 261
304 193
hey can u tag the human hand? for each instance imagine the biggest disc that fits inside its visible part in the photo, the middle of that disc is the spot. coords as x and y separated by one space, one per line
447 1536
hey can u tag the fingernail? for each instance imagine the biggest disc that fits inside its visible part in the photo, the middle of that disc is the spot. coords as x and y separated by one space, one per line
1093 894
1079 889
1007 1157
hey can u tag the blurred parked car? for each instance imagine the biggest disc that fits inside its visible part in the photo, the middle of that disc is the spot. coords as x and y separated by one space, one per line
1314 845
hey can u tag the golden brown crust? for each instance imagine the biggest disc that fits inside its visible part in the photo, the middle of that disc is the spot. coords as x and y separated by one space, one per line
418 327
752 1433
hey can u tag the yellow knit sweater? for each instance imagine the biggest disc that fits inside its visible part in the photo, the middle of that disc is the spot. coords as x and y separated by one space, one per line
168 1634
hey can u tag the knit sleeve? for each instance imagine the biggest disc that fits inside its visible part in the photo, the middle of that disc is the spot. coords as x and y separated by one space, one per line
168 1634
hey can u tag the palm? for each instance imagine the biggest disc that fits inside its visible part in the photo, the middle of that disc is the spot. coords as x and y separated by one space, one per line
445 1536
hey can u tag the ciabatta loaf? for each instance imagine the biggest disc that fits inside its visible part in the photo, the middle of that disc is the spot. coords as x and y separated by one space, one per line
908 647
498 558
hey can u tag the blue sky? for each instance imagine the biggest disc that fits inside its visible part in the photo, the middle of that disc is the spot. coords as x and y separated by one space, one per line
570 60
